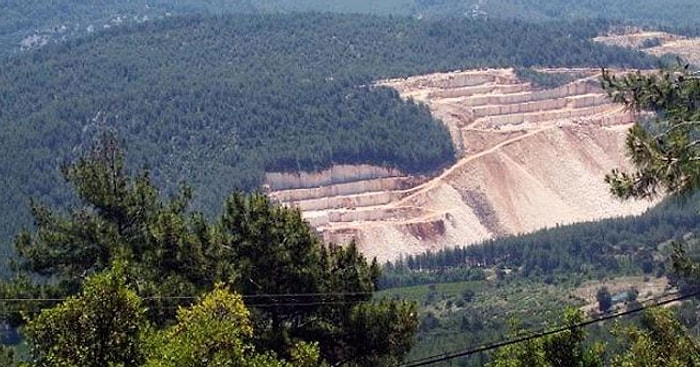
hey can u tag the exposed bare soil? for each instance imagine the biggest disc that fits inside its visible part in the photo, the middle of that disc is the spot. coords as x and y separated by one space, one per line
661 43
529 159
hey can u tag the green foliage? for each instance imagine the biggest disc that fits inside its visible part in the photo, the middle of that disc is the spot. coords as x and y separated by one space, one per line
604 299
212 331
685 268
561 349
170 252
277 254
106 326
397 274
666 153
446 324
668 13
67 19
101 327
661 340
216 332
378 333
7 356
265 239
658 340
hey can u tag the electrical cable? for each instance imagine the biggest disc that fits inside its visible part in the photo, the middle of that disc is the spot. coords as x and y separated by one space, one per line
245 296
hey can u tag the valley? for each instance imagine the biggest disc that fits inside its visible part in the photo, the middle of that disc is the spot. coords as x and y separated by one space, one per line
529 158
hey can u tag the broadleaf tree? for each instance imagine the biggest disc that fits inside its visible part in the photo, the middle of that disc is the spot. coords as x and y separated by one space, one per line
217 332
106 325
102 326
659 340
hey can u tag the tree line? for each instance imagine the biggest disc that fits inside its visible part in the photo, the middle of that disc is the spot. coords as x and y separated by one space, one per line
63 20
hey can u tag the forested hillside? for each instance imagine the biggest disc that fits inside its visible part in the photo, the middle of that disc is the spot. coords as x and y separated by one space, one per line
31 24
641 12
218 101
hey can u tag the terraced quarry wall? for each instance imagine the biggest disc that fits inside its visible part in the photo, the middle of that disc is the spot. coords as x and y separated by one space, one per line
656 43
528 159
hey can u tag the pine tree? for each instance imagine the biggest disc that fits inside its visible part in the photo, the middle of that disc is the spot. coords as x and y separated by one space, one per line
299 288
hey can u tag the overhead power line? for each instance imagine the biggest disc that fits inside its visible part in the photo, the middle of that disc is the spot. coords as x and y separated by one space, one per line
491 346
262 301
244 296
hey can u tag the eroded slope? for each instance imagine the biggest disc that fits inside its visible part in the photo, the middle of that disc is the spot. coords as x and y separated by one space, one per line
529 158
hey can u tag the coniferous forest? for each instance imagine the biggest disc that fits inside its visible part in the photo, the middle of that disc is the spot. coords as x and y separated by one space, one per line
218 101
30 24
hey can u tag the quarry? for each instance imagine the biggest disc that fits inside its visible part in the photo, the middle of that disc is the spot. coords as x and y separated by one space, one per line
528 158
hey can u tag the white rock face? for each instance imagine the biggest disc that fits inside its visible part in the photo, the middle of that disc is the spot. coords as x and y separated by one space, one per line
529 159
333 175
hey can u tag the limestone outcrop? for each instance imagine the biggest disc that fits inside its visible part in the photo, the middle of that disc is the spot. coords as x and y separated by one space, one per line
529 158
336 174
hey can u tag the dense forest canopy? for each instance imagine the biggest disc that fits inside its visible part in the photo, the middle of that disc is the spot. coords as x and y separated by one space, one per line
640 12
33 23
218 101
